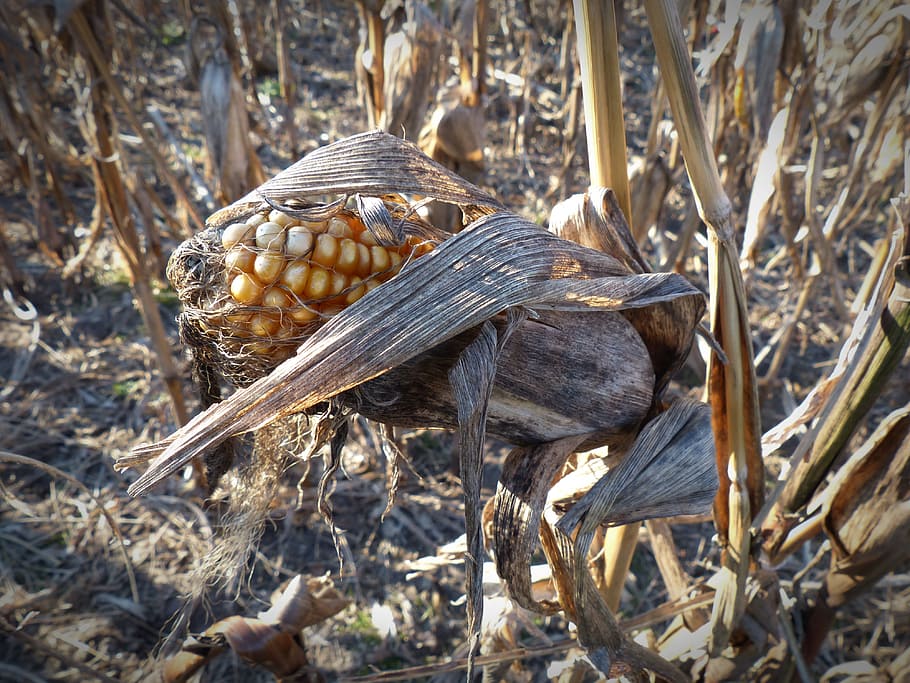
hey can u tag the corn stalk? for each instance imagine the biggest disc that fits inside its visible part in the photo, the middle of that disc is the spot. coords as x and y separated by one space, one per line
101 66
731 385
598 53
97 128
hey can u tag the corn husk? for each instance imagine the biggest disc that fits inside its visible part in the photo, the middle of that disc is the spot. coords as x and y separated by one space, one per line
231 159
499 263
412 56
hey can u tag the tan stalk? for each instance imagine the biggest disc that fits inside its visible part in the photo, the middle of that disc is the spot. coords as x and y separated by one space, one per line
102 66
732 387
114 194
676 579
286 81
598 54
479 57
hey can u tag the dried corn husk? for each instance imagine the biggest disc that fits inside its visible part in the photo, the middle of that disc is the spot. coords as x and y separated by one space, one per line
501 262
231 159
411 59
454 136
866 509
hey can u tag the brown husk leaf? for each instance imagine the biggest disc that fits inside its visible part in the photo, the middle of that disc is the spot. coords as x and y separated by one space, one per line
866 508
271 639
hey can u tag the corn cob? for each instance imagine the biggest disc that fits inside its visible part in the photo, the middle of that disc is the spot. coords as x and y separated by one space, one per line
285 275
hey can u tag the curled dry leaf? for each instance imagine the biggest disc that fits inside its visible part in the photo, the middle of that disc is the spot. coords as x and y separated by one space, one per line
866 508
669 470
866 515
272 639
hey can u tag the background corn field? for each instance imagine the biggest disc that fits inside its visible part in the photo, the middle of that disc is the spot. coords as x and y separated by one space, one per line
116 149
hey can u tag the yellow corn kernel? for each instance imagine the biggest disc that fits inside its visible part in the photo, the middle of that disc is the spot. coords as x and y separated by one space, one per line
363 260
315 227
239 258
338 283
270 235
302 315
326 250
246 289
319 283
236 233
348 257
282 219
268 266
295 276
276 297
257 219
356 292
264 324
339 228
299 241
379 259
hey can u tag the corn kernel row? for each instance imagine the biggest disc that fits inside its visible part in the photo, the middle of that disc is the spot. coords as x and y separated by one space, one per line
290 272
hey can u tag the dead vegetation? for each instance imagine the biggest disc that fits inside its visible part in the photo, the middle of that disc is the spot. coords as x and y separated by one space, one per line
113 161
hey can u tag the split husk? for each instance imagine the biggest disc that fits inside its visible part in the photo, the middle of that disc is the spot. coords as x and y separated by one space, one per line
500 262
231 160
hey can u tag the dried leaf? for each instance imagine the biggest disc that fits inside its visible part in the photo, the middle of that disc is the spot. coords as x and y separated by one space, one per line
269 640
472 383
877 342
608 649
303 604
758 55
518 506
867 507
595 220
668 471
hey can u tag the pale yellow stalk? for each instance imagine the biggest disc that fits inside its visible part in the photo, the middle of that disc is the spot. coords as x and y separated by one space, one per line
732 387
598 54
